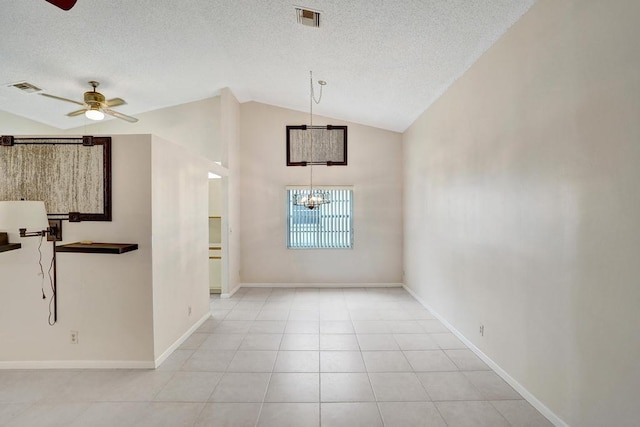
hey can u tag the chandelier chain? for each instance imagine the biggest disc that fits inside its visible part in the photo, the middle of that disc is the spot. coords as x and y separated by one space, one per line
313 198
312 99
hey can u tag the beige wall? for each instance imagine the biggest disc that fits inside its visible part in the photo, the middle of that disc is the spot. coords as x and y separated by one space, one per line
10 124
147 323
195 125
231 224
131 309
106 298
215 197
522 207
180 230
375 172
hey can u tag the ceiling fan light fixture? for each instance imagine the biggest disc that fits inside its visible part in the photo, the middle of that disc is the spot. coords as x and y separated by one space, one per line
94 114
95 105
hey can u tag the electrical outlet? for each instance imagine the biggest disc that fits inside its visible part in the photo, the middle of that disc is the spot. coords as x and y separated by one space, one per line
481 330
74 337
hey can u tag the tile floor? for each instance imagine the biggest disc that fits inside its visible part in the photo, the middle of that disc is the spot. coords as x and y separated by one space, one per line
286 357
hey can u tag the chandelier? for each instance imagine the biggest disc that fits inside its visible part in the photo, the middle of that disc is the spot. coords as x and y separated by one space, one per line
314 197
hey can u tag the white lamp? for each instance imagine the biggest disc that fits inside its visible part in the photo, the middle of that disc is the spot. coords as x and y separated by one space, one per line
23 215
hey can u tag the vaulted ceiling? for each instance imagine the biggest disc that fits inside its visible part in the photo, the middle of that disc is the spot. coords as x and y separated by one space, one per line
385 61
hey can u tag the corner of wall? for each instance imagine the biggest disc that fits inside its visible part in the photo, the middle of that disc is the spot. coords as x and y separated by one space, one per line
231 229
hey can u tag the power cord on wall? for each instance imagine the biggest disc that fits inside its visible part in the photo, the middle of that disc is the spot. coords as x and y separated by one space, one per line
41 268
53 294
53 290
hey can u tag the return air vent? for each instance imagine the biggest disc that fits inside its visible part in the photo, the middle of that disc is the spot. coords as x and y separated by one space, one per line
26 87
308 17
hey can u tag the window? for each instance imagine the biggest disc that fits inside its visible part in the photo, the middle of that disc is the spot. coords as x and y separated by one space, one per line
329 226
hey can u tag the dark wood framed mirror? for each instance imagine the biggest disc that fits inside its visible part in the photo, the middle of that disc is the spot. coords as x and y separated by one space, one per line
329 145
71 175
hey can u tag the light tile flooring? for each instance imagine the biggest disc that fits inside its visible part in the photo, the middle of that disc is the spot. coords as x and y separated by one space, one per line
286 357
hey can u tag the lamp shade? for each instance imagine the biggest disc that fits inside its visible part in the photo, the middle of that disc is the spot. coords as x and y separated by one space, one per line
15 215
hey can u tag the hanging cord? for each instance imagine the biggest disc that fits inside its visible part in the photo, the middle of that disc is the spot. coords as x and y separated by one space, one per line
312 99
41 268
313 96
53 294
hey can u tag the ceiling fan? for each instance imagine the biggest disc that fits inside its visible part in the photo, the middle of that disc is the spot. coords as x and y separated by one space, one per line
63 4
95 105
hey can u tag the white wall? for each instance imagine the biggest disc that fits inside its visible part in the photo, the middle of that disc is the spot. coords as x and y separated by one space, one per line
129 309
374 170
195 125
524 205
216 207
215 197
180 230
106 298
231 223
10 124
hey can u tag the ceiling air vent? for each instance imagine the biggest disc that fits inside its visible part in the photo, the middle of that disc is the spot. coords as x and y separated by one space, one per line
308 17
26 87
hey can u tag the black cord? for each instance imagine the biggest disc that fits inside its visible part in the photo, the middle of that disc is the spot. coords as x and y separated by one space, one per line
41 268
53 293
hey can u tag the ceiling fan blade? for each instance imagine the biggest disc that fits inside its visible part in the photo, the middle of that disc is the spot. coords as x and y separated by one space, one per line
63 4
62 99
77 112
119 115
115 102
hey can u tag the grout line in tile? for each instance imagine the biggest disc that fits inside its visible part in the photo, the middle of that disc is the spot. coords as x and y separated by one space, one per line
204 406
264 397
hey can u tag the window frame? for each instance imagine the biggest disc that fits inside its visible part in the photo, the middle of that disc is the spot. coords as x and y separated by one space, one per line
290 209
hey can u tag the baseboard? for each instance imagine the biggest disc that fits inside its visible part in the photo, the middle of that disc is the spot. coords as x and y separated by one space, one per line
78 364
320 285
230 294
541 407
180 340
103 364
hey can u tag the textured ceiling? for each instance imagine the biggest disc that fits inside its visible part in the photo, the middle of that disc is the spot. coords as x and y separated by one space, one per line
385 61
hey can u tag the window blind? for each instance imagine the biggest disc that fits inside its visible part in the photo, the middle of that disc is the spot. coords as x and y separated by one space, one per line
329 226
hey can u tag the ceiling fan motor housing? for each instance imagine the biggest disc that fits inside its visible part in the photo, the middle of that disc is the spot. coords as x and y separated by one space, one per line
93 98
